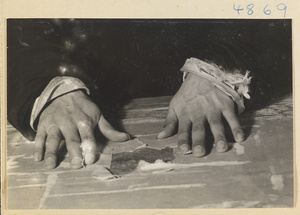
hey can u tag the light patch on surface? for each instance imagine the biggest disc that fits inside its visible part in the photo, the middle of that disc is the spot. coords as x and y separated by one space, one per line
51 181
139 121
160 165
162 171
188 152
230 204
102 173
273 197
267 112
26 186
257 137
140 142
133 186
11 163
277 182
239 149
28 157
64 164
177 186
144 135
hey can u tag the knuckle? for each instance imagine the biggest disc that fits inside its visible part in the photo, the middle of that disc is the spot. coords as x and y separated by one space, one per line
39 148
88 147
237 130
85 123
198 119
183 136
74 140
40 134
41 128
183 142
50 154
215 120
53 138
231 117
220 137
197 127
170 124
182 133
88 139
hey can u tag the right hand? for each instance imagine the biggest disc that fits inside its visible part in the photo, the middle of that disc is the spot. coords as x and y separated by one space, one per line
199 101
73 118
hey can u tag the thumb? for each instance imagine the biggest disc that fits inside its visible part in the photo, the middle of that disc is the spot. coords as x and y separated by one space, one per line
170 127
109 132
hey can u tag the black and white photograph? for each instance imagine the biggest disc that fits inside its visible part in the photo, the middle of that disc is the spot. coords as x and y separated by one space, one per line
131 113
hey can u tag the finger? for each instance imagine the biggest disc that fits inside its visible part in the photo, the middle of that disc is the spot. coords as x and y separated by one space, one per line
52 143
73 146
217 129
170 125
198 137
88 142
184 133
109 132
235 126
40 141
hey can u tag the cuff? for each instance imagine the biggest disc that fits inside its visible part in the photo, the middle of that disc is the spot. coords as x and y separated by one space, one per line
57 86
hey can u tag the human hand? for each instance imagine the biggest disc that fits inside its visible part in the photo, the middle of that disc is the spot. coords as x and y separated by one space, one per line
73 118
197 101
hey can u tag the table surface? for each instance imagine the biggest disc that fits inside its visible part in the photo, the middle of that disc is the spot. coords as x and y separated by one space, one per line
255 173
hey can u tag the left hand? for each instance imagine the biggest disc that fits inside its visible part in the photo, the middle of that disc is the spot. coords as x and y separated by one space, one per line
197 101
72 117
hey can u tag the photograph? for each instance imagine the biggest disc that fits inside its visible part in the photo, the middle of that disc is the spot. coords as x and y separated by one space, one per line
149 113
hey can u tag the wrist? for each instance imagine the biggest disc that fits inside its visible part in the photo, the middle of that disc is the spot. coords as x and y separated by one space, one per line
235 85
57 87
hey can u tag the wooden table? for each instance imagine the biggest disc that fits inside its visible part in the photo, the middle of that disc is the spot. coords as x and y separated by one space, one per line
255 173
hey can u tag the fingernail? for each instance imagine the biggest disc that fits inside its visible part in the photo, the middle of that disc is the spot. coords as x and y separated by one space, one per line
239 137
50 163
221 146
184 148
89 158
37 156
76 163
129 138
198 151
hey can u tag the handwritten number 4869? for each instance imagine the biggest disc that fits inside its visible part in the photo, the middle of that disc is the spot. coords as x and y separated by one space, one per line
266 10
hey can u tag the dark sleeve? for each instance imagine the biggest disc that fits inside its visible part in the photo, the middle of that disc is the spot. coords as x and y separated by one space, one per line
35 54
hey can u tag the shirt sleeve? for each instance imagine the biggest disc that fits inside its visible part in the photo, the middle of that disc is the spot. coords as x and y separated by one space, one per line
36 53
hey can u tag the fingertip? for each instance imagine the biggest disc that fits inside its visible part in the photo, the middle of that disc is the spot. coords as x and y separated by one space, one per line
128 136
50 163
221 146
37 156
118 136
167 132
161 135
184 148
122 137
199 151
239 137
76 163
89 158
